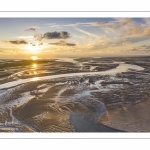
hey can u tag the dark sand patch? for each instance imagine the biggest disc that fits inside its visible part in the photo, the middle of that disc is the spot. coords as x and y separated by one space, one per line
68 92
5 115
130 117
44 116
53 91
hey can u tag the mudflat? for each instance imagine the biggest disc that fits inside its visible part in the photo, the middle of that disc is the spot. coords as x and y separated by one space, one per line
90 95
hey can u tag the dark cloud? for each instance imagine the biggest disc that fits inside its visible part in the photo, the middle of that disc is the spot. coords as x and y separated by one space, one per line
18 42
34 44
63 43
38 37
52 35
30 29
56 35
40 44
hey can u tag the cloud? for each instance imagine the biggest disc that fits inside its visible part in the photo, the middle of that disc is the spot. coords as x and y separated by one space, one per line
52 35
40 44
26 37
119 23
128 27
56 35
134 31
38 37
126 43
85 32
18 42
111 24
9 51
147 31
126 21
87 24
127 30
34 44
31 29
136 38
52 25
141 48
63 43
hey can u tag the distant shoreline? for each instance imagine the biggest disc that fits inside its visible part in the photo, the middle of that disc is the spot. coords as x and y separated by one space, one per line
78 57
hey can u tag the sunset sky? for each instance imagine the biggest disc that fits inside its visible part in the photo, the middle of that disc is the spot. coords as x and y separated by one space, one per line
73 37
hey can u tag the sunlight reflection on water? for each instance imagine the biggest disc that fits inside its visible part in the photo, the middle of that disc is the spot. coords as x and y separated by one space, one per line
34 65
121 68
34 79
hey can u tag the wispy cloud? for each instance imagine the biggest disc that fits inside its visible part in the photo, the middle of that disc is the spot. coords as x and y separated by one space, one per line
63 43
118 23
87 24
85 32
140 48
111 24
31 29
26 37
52 25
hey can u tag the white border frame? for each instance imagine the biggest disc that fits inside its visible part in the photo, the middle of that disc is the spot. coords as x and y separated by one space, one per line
73 14
68 14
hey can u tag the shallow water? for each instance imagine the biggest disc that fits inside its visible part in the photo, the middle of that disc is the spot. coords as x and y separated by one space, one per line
121 68
77 120
67 60
82 125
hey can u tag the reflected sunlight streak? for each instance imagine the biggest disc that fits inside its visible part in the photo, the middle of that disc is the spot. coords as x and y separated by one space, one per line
35 79
34 65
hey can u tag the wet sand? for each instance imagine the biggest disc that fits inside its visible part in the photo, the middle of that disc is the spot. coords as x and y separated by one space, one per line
131 117
110 101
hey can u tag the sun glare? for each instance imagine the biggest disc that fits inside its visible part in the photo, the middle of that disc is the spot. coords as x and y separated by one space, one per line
35 79
33 48
34 66
34 57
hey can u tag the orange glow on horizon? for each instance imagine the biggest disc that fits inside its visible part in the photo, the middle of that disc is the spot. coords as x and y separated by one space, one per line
34 57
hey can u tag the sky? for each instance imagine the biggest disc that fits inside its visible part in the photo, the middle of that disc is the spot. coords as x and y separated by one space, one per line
74 37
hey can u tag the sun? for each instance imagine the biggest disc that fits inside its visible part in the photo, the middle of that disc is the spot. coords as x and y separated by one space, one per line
34 48
34 57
